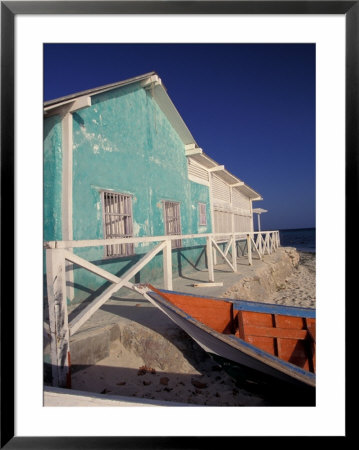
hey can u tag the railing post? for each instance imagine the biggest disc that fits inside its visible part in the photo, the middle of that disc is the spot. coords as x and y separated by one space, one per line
209 252
167 265
249 249
264 244
269 244
59 328
234 253
214 256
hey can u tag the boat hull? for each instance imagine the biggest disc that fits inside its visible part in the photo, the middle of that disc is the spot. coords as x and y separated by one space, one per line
240 359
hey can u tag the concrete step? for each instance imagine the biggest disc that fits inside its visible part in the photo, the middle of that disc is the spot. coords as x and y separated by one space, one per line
65 397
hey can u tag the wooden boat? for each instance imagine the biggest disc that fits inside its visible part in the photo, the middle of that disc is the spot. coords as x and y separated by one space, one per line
255 342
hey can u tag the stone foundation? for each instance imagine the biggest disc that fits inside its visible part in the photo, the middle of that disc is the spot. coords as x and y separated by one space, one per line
266 279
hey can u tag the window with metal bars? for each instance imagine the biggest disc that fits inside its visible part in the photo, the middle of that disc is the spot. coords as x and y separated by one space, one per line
117 222
202 214
172 219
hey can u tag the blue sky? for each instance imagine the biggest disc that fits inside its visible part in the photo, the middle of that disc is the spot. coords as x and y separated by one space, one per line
250 107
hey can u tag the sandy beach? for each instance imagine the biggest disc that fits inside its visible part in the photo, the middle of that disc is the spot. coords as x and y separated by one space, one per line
299 288
123 373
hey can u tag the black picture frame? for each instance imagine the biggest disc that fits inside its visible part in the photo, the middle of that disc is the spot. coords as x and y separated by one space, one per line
9 10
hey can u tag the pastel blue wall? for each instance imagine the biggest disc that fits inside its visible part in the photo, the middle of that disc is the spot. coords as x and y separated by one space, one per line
125 143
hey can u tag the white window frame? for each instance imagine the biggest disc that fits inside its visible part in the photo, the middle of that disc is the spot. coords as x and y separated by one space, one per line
117 222
202 214
172 223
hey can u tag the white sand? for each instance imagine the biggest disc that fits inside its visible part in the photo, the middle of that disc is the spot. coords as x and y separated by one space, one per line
121 374
299 288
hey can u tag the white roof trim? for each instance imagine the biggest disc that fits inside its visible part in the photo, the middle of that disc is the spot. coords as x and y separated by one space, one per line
193 151
68 106
165 103
216 169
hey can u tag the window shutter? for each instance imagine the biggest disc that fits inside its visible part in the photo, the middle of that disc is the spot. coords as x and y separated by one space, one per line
202 214
117 211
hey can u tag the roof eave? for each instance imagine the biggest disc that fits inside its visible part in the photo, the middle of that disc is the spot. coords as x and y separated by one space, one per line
98 90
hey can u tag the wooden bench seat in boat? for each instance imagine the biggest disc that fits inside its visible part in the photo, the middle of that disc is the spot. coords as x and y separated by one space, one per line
290 338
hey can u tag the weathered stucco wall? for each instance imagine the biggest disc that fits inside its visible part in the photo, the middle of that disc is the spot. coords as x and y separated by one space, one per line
125 143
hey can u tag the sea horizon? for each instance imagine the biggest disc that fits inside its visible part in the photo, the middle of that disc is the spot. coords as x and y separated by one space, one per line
296 229
303 239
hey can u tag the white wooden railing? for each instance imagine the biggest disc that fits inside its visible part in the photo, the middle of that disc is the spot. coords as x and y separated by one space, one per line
57 253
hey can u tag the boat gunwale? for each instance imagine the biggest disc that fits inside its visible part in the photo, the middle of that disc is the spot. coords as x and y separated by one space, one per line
240 305
250 350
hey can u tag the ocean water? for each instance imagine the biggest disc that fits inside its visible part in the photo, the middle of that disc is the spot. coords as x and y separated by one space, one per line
303 239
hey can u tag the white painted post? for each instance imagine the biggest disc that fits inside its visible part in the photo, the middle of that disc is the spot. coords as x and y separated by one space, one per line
249 249
251 209
167 266
267 243
234 253
259 222
214 257
59 328
273 242
255 247
209 252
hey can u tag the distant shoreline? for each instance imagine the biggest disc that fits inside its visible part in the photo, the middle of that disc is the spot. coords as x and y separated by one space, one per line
306 250
296 229
301 250
302 239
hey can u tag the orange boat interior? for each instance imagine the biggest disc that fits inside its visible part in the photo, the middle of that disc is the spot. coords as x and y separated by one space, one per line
287 337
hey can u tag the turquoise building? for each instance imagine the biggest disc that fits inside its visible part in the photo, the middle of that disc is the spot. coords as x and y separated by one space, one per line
119 161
